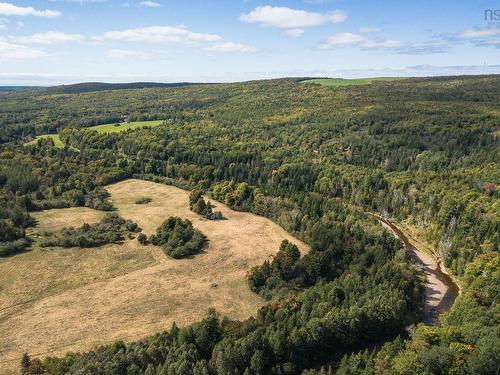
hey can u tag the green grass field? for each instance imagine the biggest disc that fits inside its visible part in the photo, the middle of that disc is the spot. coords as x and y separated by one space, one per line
55 137
106 128
339 82
112 128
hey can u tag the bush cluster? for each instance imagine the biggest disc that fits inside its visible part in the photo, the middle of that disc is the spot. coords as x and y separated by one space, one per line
143 200
178 238
198 205
111 229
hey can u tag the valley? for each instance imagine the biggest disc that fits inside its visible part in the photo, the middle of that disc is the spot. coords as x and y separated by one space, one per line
258 196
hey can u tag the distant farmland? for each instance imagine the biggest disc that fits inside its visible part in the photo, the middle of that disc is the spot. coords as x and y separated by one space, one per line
105 128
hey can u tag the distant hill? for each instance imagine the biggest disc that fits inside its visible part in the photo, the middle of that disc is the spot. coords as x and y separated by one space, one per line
16 88
101 86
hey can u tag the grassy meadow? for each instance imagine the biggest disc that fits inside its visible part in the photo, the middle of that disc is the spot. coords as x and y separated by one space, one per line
105 128
128 291
55 137
114 128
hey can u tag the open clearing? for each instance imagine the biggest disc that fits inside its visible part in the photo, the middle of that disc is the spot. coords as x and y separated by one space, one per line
55 137
113 128
339 82
54 301
106 128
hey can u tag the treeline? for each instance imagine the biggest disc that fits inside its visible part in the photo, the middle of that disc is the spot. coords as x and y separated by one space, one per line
336 243
79 88
44 178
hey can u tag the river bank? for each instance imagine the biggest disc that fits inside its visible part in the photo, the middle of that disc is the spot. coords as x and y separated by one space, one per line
440 288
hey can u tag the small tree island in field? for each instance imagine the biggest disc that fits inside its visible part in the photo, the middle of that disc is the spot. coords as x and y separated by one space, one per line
178 238
111 229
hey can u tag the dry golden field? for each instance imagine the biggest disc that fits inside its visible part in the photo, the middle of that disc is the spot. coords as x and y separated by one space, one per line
58 300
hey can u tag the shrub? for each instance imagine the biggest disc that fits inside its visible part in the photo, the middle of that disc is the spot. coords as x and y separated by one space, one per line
12 247
142 239
143 200
198 205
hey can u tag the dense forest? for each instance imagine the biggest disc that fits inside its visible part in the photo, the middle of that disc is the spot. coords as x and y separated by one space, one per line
313 159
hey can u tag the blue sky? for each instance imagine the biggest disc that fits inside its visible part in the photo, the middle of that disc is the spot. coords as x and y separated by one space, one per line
65 41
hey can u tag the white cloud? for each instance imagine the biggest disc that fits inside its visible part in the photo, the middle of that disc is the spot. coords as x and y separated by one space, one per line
10 51
488 43
294 33
122 54
488 36
231 47
423 48
150 4
8 9
480 33
287 18
161 34
345 39
369 30
176 34
50 37
479 37
382 44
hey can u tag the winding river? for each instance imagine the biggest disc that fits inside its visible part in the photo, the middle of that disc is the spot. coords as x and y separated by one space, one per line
440 289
